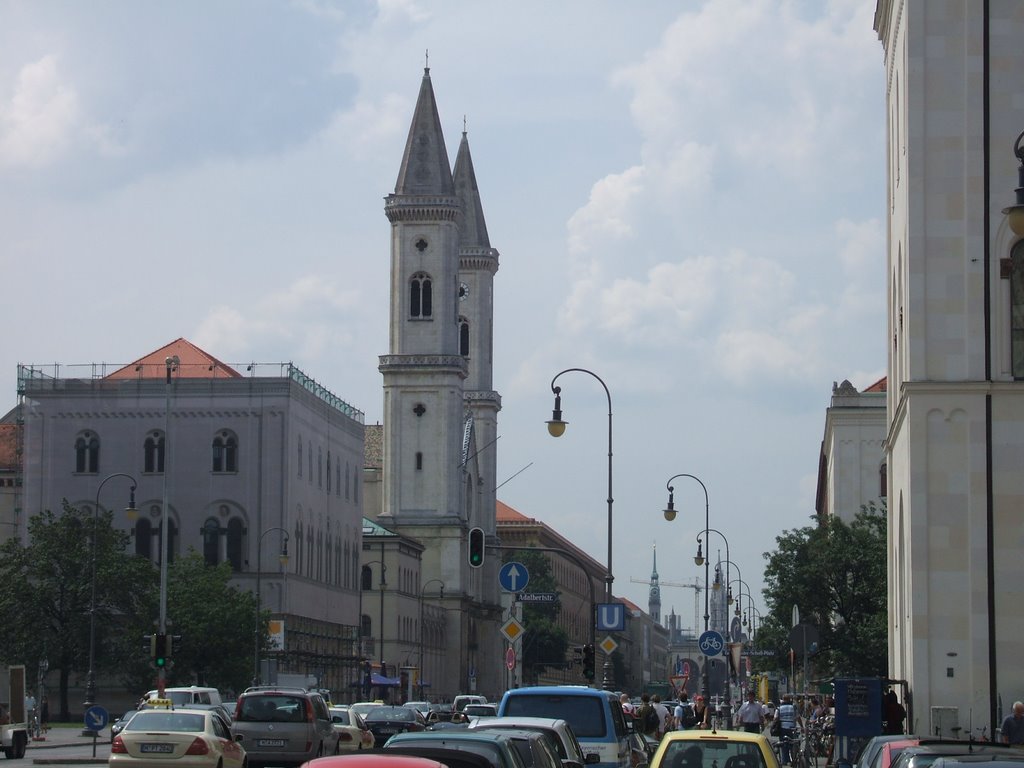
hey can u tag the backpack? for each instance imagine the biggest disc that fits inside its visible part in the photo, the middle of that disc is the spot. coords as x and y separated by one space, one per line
649 720
689 718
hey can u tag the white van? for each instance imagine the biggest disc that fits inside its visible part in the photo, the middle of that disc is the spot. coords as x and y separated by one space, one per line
193 694
463 699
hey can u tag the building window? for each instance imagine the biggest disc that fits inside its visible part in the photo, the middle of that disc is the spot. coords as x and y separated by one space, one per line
225 452
144 539
153 449
1017 309
419 459
236 534
211 541
300 456
337 478
464 337
883 481
87 454
328 473
366 580
309 455
319 467
420 298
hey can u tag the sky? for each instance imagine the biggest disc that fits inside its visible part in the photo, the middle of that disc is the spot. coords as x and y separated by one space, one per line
688 199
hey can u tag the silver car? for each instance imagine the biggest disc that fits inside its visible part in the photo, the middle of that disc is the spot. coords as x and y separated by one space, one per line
283 726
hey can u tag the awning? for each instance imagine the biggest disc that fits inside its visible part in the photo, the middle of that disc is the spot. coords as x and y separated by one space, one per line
376 679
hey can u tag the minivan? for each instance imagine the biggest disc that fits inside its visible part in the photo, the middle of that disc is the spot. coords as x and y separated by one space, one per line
594 716
192 694
283 726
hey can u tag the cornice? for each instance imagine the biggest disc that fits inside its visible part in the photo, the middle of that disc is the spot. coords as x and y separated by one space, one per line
395 363
422 208
481 397
475 258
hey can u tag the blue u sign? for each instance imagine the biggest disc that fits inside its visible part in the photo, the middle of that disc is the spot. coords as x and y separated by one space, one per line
711 643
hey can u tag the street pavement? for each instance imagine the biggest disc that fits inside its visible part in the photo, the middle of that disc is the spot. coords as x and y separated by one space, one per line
67 746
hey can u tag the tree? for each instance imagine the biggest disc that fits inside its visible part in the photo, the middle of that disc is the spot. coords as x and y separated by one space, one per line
545 643
46 594
215 622
836 574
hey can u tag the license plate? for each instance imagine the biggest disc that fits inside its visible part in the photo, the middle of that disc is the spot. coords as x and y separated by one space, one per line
270 743
388 730
164 749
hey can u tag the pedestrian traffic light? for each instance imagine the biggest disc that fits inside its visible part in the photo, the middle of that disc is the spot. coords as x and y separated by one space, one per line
476 547
588 662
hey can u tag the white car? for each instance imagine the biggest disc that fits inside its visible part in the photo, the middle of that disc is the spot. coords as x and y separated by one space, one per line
353 734
184 738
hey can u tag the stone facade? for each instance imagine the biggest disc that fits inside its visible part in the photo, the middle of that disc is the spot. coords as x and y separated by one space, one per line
955 410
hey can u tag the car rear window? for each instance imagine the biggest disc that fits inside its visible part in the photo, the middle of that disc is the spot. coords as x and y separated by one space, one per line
584 713
166 721
712 753
273 709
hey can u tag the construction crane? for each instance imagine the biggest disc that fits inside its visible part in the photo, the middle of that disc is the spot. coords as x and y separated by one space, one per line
695 585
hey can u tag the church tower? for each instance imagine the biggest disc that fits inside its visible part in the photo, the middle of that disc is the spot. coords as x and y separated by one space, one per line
654 598
440 414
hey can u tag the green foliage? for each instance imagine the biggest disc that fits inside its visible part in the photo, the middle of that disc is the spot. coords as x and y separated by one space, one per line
215 622
836 574
46 593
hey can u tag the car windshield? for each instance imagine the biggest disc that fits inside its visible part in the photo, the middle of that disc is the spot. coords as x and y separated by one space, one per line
401 714
272 709
708 753
584 713
153 720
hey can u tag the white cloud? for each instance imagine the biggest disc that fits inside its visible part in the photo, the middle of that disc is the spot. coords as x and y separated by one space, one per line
38 123
606 214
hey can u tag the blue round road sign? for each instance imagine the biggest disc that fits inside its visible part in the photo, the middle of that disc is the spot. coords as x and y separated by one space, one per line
96 718
513 577
711 643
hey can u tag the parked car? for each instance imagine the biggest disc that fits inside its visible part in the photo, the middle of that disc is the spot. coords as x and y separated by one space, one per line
353 734
118 725
714 749
283 726
387 720
197 738
568 747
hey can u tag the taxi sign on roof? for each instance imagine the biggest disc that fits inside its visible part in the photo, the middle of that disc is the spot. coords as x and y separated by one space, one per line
160 703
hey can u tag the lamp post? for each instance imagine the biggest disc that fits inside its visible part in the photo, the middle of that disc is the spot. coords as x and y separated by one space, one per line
670 515
283 559
422 630
383 583
90 685
556 428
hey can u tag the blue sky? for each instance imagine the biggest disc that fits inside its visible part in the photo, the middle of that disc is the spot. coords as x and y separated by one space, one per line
688 198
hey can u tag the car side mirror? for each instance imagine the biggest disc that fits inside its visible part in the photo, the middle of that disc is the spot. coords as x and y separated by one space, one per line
593 757
239 737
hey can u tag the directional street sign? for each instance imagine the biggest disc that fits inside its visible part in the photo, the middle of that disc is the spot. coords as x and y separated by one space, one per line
96 718
513 577
537 597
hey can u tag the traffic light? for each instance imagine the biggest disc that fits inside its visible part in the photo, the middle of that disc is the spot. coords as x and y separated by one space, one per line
588 662
577 655
476 547
159 647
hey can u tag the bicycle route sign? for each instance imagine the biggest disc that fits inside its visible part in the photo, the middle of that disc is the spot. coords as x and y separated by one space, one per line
711 643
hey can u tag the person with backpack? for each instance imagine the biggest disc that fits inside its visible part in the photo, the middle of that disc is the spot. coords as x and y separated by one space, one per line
685 717
647 719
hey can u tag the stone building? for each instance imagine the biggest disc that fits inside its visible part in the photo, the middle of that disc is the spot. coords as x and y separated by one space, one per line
955 400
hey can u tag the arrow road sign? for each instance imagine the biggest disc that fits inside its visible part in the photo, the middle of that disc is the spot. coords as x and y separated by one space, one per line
96 718
513 577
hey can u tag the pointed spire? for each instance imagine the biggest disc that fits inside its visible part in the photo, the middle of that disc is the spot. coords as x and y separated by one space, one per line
474 228
654 571
425 169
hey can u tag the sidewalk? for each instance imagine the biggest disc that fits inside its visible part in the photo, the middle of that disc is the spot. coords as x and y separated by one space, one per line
69 736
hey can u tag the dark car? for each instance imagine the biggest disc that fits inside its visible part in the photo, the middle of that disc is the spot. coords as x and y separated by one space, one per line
924 754
385 721
118 725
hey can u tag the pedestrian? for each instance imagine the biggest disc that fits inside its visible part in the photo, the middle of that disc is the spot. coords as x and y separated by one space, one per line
893 713
750 715
700 712
627 706
684 714
1012 730
788 719
647 716
663 716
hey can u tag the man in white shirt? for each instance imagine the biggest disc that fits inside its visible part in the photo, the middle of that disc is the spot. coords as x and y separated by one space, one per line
750 715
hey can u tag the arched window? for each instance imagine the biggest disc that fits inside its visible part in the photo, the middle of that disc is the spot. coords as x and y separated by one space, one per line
211 541
319 467
337 478
225 452
1017 309
464 337
172 539
420 297
328 473
87 453
144 538
153 450
300 455
236 532
366 580
309 455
